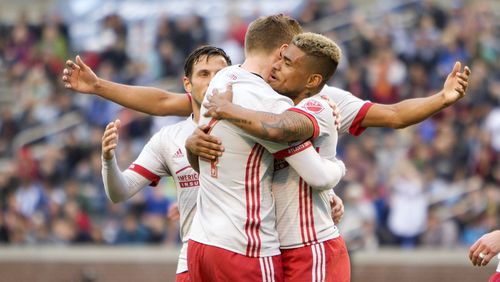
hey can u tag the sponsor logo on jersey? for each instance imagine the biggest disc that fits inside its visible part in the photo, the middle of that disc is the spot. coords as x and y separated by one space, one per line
179 154
188 180
313 106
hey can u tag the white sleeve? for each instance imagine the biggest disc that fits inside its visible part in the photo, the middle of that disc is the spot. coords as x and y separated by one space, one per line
321 174
320 113
120 186
352 109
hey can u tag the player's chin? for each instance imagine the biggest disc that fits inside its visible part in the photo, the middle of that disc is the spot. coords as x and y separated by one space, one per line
276 85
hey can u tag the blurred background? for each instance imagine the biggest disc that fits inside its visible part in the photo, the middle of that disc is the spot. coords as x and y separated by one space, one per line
415 199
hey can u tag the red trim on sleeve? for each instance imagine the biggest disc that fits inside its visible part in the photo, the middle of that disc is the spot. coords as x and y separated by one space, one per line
189 97
292 150
356 129
146 174
311 117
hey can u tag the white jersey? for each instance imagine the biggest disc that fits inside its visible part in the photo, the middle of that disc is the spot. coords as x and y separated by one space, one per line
304 214
498 266
165 155
352 109
235 209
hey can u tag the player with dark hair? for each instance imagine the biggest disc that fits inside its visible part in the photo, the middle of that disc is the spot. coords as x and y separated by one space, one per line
164 154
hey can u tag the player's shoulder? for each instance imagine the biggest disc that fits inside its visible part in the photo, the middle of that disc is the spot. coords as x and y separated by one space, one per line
173 130
314 105
334 91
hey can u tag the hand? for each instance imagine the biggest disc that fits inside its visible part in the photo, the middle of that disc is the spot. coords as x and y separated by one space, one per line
204 145
455 85
79 77
173 212
337 208
110 139
336 111
218 102
488 245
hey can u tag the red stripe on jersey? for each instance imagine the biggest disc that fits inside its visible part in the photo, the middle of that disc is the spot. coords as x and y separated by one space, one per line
306 211
292 150
257 209
182 169
301 211
247 198
311 213
311 117
145 173
356 129
253 203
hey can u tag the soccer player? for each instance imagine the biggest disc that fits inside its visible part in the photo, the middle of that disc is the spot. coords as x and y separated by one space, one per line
164 154
484 249
303 249
311 247
233 237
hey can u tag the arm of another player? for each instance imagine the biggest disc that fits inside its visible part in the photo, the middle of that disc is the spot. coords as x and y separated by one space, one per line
337 206
80 77
412 111
201 144
319 173
288 126
488 246
119 185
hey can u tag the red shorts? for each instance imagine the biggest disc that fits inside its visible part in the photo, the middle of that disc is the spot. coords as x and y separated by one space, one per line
209 263
327 261
495 277
182 277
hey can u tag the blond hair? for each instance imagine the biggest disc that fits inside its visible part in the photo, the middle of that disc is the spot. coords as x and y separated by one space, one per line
266 34
324 51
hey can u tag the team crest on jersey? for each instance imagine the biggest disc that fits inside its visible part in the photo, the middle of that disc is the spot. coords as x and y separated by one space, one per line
232 76
314 106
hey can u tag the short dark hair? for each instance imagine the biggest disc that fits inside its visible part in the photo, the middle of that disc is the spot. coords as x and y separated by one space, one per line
206 50
268 33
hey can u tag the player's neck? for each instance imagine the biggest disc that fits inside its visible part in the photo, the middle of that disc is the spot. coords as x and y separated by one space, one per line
258 64
196 111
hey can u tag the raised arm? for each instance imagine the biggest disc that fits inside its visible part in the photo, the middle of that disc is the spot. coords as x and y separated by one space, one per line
119 185
288 126
412 111
80 77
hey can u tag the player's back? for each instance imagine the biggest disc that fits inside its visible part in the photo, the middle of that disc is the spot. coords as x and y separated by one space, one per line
235 205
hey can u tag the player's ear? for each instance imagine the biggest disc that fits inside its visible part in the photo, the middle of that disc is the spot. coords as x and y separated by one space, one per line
314 81
187 84
282 49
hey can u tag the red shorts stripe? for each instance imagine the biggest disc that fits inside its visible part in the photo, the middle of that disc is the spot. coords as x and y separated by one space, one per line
327 261
209 263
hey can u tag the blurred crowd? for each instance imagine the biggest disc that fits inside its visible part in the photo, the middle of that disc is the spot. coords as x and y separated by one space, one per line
435 184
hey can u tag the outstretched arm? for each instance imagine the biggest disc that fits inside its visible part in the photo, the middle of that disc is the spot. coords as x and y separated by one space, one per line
79 77
412 111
